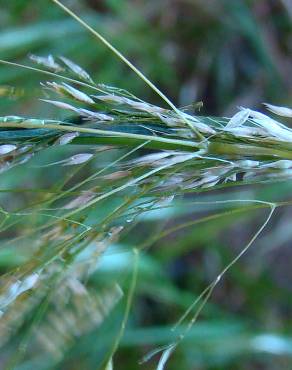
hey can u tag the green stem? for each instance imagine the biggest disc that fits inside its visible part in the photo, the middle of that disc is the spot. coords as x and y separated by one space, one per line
86 130
244 150
98 136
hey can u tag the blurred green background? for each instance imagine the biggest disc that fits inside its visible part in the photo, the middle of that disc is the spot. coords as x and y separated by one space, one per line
226 54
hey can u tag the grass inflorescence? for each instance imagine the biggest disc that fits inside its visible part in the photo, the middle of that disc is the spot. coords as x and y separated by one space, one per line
122 159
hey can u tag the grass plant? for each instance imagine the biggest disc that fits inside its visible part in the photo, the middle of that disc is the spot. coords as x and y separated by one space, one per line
121 160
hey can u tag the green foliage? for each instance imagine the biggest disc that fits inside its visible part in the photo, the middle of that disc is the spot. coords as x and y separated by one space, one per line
120 224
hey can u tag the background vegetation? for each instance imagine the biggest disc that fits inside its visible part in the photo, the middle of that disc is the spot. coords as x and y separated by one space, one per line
224 53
